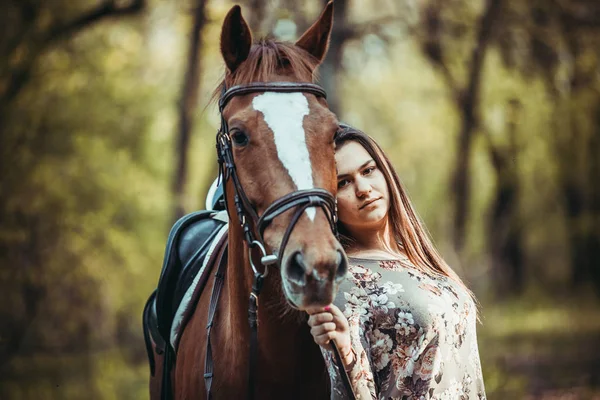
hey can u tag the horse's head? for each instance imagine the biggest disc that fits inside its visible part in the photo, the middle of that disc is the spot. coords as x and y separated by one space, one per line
282 143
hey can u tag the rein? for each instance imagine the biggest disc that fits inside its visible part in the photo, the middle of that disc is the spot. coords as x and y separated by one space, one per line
299 200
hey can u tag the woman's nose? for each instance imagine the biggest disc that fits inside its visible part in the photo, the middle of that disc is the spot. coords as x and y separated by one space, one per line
363 188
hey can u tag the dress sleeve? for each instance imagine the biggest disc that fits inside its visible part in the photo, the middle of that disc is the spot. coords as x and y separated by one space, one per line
360 373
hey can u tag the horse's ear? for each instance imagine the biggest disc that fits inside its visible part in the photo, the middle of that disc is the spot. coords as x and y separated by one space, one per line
236 39
316 39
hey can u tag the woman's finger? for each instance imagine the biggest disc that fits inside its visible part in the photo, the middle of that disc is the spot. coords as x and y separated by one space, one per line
317 319
322 329
325 338
315 310
334 310
338 316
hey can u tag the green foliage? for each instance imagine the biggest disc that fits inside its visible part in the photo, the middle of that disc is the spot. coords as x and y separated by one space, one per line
84 207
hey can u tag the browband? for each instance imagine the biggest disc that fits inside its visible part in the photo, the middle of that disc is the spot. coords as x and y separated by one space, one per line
278 87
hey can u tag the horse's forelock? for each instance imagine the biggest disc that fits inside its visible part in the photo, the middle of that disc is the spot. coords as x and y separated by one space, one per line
268 58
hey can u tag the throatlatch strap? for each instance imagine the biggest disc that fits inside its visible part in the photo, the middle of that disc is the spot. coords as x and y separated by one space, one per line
214 300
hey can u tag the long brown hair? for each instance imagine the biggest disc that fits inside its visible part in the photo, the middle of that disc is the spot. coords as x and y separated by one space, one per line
406 227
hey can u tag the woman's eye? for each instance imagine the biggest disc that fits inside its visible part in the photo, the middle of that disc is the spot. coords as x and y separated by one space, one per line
239 138
368 170
342 183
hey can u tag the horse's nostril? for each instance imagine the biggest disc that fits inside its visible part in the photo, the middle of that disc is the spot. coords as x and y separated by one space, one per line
342 266
296 269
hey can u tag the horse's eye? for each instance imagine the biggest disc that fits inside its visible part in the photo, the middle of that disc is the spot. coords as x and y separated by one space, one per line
239 138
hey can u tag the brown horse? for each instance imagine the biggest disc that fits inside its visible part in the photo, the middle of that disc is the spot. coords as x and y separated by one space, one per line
281 144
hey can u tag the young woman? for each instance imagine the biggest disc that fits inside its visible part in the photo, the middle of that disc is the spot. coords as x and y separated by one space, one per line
403 321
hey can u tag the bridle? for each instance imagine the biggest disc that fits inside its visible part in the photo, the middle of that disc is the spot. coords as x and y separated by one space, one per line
299 200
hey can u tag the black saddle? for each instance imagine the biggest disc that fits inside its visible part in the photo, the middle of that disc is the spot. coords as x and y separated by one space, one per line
187 247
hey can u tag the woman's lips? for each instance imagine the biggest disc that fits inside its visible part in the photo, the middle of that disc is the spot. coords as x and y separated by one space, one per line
369 202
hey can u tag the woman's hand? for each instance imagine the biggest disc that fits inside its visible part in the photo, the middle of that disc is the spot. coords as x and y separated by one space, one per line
327 324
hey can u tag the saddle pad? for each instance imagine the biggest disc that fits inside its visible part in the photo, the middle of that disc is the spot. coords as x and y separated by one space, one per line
188 300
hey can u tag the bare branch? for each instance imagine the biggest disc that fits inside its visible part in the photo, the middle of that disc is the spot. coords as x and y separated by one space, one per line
19 76
578 15
431 46
108 9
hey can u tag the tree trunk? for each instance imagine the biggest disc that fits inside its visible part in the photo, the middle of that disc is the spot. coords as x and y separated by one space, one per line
582 202
187 106
332 65
468 104
504 229
577 149
572 181
593 176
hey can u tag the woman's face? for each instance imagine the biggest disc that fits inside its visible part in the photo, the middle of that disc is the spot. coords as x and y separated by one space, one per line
363 195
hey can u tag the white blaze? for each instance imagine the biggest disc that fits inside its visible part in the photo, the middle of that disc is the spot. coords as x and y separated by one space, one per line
284 114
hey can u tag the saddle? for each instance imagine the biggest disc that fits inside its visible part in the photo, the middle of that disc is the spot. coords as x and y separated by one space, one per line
194 244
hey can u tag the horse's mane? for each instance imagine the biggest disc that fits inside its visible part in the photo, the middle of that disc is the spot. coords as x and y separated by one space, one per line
268 57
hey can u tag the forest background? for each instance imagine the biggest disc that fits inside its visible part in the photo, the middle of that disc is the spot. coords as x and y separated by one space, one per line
489 109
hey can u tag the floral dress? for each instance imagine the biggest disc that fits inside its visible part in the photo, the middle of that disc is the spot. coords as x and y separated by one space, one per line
413 333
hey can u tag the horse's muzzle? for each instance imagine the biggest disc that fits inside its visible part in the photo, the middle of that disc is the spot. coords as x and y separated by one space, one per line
309 284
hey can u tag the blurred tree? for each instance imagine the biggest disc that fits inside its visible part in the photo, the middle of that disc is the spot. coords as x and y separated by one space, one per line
560 42
27 32
72 165
187 107
331 68
557 41
443 24
504 235
577 147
